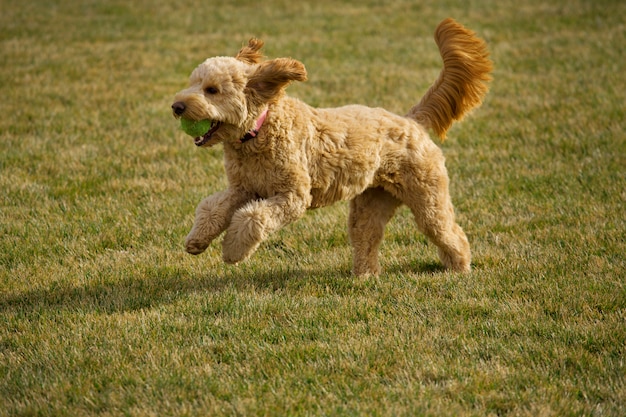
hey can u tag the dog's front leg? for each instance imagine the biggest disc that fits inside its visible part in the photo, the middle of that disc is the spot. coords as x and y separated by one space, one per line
253 223
213 215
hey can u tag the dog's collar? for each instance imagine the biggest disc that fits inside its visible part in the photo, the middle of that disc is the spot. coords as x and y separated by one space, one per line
257 126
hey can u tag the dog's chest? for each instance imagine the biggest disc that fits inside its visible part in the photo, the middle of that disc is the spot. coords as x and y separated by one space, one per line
257 174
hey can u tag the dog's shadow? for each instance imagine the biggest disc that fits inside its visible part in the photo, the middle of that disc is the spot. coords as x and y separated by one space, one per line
167 284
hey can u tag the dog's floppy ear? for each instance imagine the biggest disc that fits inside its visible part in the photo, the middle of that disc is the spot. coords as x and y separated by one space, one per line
271 77
250 54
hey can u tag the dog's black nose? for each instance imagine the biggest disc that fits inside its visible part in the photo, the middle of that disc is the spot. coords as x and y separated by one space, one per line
179 108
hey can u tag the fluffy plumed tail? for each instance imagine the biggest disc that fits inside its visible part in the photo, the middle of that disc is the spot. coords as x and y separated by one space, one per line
462 84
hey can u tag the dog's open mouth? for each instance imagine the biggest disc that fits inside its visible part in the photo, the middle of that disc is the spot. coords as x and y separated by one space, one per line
202 140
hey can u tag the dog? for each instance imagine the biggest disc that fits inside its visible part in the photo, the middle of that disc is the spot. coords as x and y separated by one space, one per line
283 156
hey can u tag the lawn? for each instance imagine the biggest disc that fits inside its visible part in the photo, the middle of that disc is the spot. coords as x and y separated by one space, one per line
103 313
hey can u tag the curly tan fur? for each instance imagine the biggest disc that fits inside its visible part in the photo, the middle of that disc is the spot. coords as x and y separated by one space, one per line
304 157
461 86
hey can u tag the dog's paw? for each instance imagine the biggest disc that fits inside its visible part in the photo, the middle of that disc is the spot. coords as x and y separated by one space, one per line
234 252
195 246
456 262
366 271
234 258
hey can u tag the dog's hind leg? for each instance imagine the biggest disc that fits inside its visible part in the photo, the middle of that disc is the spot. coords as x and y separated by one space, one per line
429 201
452 244
369 213
213 215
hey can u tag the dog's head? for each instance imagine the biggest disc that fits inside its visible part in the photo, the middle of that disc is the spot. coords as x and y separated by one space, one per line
233 92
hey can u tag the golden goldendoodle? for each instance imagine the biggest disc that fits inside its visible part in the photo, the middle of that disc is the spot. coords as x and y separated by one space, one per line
283 157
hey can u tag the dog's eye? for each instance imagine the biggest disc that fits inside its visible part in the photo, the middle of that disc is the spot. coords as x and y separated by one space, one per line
211 90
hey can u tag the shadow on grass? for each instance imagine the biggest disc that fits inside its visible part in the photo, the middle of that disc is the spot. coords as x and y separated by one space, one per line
415 267
166 284
160 285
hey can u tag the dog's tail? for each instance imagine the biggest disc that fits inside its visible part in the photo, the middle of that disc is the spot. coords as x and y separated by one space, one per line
462 84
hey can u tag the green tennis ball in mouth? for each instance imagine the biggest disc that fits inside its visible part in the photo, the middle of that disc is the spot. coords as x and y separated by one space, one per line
195 128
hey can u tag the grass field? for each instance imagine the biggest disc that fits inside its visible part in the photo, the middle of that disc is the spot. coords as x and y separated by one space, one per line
103 313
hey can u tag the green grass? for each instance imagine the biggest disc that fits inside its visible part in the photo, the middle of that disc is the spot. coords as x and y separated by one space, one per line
102 312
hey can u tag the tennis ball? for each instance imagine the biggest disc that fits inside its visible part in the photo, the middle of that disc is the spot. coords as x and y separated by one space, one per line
195 128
